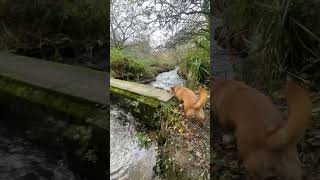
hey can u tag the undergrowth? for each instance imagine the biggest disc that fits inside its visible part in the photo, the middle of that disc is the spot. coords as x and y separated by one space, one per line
143 140
282 37
170 117
196 63
126 67
41 19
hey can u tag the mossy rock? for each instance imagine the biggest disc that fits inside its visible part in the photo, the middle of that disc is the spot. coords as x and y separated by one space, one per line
75 107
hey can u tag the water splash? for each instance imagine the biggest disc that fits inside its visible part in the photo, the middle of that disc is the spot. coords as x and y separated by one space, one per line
168 79
22 160
127 160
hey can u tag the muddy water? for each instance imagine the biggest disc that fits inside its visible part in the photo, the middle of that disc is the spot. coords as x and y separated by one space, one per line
127 159
168 79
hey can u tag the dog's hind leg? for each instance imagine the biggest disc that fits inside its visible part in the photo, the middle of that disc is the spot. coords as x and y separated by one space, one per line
200 115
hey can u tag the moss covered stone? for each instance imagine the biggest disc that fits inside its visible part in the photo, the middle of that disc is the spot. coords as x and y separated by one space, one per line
152 102
77 108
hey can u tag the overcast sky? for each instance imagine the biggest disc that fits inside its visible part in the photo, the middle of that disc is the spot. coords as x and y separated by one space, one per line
158 36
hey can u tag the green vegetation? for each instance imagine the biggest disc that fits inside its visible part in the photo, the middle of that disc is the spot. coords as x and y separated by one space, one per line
127 65
276 38
196 63
143 140
193 59
41 19
55 30
145 30
170 117
181 145
280 36
74 107
171 120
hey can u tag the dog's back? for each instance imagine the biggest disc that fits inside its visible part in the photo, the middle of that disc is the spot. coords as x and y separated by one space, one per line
187 97
241 106
190 99
256 120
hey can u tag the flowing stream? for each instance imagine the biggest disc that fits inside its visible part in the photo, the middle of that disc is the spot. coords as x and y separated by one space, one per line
168 79
127 159
21 160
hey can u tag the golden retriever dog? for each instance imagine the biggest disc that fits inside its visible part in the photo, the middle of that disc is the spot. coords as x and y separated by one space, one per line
266 140
192 104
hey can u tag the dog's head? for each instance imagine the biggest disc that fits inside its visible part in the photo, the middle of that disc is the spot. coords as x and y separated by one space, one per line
174 90
171 90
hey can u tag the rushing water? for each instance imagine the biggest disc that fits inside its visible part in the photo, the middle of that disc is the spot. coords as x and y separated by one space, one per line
20 160
168 79
127 159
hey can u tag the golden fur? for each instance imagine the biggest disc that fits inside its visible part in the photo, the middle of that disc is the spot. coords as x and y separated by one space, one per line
266 140
192 104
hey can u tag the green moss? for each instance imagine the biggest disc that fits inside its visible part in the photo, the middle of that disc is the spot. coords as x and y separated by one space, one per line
142 107
152 102
75 107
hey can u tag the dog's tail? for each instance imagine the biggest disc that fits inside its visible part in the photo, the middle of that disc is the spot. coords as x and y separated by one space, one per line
299 115
203 98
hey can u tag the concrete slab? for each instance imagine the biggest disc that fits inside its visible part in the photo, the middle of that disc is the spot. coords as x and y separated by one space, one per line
141 89
67 79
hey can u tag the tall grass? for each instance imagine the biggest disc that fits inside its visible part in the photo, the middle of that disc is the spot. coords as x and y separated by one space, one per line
195 65
283 35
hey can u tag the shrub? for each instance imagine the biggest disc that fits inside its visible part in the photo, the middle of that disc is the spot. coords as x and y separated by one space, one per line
283 35
38 20
126 68
195 66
